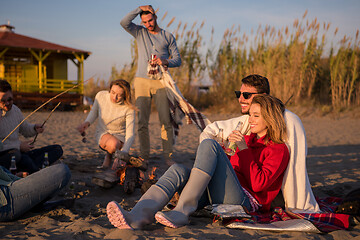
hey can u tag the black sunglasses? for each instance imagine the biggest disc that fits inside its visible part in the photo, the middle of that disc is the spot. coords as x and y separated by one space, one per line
246 95
10 99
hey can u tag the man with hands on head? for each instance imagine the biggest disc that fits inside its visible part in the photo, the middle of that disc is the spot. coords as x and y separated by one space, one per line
155 46
27 158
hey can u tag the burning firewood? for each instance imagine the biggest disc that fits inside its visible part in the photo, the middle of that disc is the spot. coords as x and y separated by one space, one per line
150 181
131 179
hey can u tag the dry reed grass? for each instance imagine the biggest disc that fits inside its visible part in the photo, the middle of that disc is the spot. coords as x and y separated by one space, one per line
292 58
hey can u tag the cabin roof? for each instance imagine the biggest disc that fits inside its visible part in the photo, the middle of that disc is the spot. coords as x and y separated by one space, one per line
14 40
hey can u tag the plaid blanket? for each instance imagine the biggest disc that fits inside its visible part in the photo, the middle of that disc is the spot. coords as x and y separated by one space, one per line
180 107
327 221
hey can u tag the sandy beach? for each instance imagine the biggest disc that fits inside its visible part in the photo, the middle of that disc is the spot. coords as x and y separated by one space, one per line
333 165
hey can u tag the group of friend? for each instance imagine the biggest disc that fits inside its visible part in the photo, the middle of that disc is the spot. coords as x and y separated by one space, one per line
269 159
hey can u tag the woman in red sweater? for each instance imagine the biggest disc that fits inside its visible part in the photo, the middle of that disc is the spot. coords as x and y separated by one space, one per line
261 163
252 178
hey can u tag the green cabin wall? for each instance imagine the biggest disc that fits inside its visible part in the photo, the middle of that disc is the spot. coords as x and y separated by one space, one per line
60 69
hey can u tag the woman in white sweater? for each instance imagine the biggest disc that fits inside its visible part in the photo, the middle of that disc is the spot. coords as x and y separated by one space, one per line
115 129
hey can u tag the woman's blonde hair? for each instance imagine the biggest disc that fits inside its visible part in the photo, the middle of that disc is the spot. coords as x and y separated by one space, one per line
272 110
127 92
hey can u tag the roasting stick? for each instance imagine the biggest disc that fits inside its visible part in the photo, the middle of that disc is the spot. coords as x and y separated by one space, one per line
289 99
45 122
42 106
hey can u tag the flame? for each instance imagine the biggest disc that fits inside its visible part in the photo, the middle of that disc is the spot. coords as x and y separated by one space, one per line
152 174
121 174
175 198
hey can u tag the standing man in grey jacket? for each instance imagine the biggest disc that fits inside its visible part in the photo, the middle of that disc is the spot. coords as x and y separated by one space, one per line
158 46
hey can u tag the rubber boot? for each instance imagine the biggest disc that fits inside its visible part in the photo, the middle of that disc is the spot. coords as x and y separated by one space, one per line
188 200
153 200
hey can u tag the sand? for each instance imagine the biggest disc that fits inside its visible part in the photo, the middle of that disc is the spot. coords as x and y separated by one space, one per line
333 167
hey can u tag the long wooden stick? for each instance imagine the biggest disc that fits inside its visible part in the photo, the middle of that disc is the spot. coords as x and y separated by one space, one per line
45 122
42 106
289 99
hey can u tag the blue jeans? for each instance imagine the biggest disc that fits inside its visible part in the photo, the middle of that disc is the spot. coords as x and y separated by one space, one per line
25 193
30 161
5 157
224 186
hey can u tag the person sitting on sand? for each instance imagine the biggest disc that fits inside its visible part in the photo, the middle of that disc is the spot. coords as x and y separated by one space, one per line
19 195
27 158
252 177
116 120
296 189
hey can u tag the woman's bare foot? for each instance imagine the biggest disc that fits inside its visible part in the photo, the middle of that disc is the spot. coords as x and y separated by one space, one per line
107 160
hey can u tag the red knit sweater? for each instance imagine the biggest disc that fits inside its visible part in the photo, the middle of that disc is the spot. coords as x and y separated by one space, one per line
260 168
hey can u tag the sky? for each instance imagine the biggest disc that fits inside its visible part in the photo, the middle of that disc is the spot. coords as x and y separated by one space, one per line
94 25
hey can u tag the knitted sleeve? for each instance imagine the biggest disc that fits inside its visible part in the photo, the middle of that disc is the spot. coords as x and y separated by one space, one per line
130 130
94 112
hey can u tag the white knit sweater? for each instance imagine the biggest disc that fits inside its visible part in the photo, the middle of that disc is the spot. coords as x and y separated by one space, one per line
115 119
8 122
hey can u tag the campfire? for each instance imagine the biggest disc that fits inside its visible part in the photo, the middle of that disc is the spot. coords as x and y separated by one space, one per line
121 173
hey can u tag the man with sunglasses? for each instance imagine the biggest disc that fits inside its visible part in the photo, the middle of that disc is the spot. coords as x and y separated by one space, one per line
27 158
296 188
157 46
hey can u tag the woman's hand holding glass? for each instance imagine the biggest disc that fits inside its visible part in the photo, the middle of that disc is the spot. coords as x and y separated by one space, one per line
238 138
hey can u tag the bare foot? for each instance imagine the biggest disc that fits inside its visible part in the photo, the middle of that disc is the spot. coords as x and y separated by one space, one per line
107 160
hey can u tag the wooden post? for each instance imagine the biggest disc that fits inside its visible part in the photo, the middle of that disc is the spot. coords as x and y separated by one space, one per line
80 66
40 72
40 58
2 67
3 52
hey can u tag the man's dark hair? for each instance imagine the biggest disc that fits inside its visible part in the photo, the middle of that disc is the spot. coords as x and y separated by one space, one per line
5 86
145 13
259 82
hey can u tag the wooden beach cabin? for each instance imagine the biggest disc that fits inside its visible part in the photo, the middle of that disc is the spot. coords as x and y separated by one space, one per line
38 70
